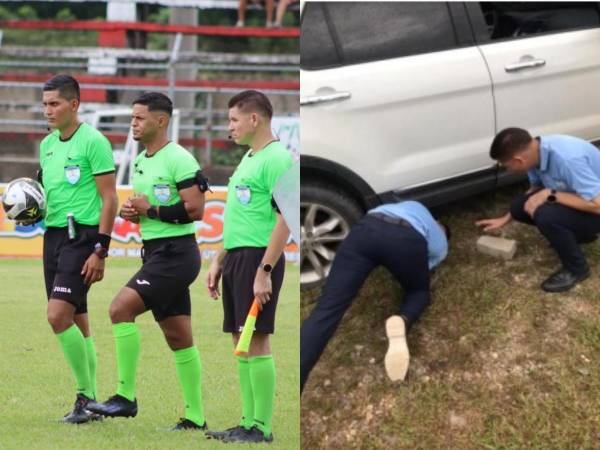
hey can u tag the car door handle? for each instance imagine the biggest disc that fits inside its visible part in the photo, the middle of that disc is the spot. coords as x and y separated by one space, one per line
528 64
315 99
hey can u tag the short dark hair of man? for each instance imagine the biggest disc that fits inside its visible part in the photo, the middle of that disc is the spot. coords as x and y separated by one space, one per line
509 142
155 101
66 85
252 101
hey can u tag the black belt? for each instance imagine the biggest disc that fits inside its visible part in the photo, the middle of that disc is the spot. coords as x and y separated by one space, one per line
390 219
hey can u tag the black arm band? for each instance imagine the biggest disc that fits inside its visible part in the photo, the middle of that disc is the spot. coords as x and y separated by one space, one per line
174 214
199 179
104 240
202 182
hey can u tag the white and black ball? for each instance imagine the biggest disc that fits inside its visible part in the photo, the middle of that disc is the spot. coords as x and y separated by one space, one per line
24 200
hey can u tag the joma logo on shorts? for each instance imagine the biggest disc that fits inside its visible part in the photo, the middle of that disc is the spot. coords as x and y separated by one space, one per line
65 290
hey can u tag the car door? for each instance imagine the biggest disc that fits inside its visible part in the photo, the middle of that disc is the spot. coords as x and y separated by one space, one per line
544 60
395 91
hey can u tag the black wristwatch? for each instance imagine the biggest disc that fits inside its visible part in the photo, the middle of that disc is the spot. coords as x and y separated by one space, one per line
152 213
266 267
99 251
552 197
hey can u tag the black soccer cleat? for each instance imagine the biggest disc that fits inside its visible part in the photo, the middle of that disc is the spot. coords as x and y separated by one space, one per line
187 424
80 413
116 406
220 435
94 417
254 435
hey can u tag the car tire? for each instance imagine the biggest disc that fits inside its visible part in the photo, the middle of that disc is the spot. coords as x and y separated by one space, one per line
326 215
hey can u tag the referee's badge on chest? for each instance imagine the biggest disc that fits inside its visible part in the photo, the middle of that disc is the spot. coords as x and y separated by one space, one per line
162 192
243 194
72 173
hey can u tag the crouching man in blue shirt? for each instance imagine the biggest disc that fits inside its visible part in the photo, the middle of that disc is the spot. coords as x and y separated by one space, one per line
563 201
404 238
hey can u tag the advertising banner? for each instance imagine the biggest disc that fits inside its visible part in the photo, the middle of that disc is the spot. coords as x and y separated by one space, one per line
21 241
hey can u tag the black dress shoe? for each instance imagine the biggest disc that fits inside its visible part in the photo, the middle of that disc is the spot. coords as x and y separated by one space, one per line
587 239
563 280
116 406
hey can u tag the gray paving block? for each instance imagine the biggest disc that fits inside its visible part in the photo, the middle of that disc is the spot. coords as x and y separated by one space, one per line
497 247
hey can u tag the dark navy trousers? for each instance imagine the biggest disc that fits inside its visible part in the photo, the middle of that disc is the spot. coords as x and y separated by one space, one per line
371 243
563 227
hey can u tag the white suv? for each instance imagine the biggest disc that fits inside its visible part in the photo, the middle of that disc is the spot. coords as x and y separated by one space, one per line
402 100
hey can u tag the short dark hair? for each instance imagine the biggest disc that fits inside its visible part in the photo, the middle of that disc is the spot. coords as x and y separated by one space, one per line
66 85
252 100
155 101
509 142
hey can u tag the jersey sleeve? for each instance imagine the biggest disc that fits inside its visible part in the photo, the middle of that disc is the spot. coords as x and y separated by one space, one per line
275 167
184 166
100 156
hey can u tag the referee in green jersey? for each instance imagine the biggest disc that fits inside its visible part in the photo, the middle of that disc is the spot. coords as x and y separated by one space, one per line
251 263
78 174
169 197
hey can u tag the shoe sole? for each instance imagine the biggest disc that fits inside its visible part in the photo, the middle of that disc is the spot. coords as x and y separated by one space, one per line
397 356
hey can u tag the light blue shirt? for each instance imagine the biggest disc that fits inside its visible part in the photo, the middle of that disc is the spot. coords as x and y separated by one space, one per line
568 164
423 222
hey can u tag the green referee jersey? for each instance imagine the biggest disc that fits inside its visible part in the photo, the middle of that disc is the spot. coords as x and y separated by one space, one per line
249 214
68 170
157 177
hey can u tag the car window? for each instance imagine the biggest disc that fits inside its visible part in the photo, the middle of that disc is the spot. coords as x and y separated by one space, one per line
509 20
317 49
343 33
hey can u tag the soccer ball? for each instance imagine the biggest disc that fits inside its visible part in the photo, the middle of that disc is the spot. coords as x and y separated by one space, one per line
24 201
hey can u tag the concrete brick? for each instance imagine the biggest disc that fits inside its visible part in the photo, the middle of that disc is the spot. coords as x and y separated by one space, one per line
497 247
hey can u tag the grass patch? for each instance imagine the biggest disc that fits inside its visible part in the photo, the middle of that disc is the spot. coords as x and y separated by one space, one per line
496 363
37 387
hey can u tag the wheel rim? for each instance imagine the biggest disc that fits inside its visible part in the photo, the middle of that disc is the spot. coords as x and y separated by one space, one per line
322 231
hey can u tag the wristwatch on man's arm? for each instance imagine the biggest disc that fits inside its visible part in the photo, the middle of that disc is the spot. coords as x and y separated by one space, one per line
266 267
101 247
552 197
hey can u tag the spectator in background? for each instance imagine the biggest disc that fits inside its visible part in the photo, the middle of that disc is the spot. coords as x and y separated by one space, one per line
281 7
242 12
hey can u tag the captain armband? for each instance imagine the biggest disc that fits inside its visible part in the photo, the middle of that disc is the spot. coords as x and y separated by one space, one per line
198 179
174 214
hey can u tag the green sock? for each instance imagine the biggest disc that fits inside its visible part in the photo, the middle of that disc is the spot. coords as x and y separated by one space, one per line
189 372
247 397
262 377
127 340
92 363
73 344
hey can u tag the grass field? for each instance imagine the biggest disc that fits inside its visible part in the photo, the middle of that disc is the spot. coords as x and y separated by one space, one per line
496 363
37 388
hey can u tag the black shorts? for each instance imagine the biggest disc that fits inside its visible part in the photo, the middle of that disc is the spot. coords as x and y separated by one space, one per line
239 271
63 261
170 265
